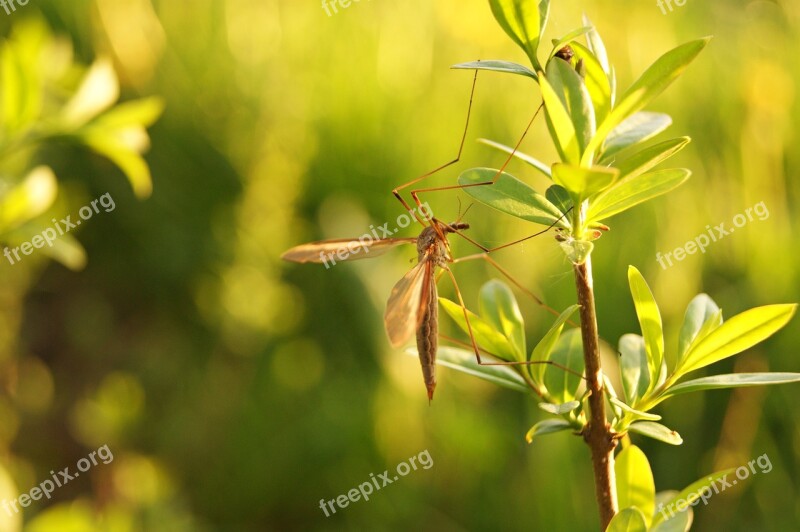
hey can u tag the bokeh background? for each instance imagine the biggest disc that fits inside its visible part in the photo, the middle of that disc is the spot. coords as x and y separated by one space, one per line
236 390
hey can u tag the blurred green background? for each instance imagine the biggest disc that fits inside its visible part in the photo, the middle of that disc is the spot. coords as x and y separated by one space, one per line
236 390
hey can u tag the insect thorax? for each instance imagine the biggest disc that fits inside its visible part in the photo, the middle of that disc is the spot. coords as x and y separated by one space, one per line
429 243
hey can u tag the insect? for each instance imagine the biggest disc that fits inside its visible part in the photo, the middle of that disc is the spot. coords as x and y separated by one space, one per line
412 308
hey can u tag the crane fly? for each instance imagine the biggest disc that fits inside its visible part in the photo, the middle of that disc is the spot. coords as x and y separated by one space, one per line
413 304
412 308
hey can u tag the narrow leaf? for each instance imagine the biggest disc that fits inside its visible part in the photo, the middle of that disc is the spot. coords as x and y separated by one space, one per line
649 321
650 157
568 352
732 380
548 426
633 365
628 520
497 66
559 409
499 308
655 79
464 361
700 310
635 485
676 521
741 332
511 196
596 45
485 335
635 129
597 82
657 431
582 183
544 348
633 190
539 165
559 122
521 21
634 414
574 95
695 491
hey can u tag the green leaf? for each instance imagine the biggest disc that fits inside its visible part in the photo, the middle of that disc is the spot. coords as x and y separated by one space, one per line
27 200
558 44
633 366
559 122
700 310
487 337
499 308
741 332
628 520
22 88
142 112
711 324
559 409
655 79
498 66
633 413
635 129
678 521
650 157
732 380
98 91
558 196
596 45
695 491
568 352
539 165
583 182
465 362
129 161
64 249
635 485
521 20
657 431
548 426
544 348
633 190
650 323
511 196
571 89
597 82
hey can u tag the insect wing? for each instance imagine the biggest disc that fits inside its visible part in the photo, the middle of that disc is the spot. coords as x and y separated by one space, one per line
406 304
351 249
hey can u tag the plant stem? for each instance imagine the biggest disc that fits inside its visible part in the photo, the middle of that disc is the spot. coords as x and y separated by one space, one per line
597 434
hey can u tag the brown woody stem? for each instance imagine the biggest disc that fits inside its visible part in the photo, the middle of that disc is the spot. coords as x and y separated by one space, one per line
597 433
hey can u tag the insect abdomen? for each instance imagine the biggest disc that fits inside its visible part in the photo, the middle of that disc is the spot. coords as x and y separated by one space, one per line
427 340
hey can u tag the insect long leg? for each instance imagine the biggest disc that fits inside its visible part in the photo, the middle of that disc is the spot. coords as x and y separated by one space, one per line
416 193
473 342
414 181
485 352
